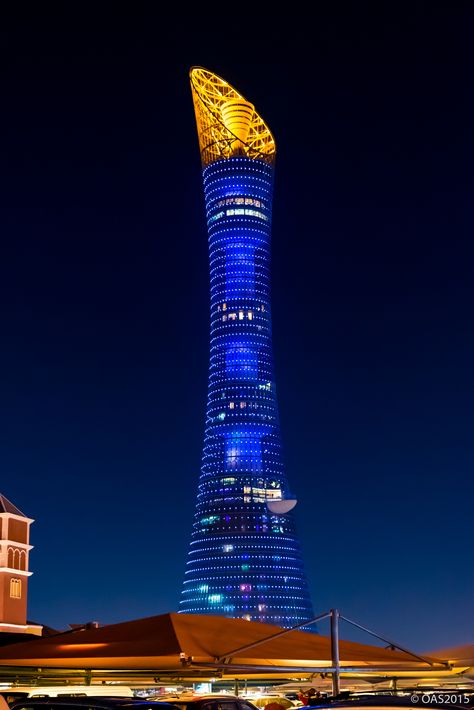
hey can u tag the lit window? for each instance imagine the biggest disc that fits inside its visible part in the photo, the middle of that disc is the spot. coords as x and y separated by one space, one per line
233 457
273 494
15 588
232 316
216 216
235 200
224 306
250 315
231 405
214 598
249 213
224 317
209 520
227 548
243 405
241 315
247 617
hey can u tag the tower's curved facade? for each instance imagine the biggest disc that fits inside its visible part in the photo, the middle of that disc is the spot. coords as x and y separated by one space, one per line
244 558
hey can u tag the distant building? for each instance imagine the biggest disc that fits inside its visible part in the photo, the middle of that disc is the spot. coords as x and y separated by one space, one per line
14 570
244 558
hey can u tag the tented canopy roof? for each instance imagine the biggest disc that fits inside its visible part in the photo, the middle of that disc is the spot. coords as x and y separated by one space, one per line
459 655
183 642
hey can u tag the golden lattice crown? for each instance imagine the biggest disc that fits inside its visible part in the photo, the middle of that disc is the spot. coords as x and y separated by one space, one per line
227 124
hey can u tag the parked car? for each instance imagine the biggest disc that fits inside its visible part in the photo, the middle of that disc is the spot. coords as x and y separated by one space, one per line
453 700
64 691
280 699
212 701
183 702
87 702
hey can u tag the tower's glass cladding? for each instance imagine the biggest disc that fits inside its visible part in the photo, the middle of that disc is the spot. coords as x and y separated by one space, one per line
244 559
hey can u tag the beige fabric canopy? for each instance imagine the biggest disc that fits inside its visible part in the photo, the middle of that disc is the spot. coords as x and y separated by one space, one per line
180 642
459 655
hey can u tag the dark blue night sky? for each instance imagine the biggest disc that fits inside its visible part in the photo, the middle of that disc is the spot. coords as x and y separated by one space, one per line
105 304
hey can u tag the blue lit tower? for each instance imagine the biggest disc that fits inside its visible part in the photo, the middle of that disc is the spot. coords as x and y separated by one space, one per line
244 558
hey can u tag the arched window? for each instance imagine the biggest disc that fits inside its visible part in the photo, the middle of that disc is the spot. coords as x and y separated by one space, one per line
22 560
11 558
15 588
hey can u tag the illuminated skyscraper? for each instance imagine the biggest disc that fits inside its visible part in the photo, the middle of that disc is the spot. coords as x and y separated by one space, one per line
244 558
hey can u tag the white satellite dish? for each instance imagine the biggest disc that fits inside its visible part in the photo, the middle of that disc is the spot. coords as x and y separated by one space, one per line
281 506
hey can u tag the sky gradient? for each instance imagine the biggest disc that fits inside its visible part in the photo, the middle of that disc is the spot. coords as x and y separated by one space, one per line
105 307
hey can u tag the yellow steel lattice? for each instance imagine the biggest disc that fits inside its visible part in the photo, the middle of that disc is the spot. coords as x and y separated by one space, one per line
227 124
